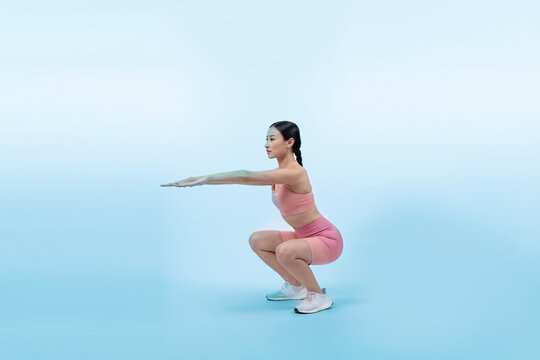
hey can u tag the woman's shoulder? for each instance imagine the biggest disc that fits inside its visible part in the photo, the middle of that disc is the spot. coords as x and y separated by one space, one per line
302 173
298 167
302 184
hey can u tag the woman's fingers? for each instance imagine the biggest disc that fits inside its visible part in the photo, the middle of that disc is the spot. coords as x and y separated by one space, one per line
171 184
191 181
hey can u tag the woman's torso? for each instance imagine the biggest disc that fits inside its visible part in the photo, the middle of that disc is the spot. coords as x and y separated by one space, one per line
303 186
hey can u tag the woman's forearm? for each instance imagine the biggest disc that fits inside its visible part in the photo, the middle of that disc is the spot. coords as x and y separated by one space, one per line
231 177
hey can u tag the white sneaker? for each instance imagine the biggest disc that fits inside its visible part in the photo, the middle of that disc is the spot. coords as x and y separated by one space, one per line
288 292
314 302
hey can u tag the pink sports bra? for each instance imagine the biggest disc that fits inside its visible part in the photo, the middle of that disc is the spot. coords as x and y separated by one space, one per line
291 203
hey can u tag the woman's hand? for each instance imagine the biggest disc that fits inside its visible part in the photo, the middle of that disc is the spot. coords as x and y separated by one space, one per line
190 181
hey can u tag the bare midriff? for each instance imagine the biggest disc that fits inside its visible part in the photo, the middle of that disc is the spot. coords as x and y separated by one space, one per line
304 218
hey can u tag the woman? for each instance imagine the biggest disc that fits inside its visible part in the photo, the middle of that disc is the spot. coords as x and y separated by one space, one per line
314 241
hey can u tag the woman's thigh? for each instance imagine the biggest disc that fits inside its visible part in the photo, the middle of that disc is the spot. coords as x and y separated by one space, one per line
265 240
324 250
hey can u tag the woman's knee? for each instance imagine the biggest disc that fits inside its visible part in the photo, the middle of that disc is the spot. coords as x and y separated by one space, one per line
254 239
265 240
284 252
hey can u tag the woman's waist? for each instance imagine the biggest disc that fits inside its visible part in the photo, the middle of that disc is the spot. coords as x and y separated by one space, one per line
300 220
319 225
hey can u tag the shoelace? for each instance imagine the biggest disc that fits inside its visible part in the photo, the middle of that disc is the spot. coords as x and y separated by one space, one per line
309 297
285 286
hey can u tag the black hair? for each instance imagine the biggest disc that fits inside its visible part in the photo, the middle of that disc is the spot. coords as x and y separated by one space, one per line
290 130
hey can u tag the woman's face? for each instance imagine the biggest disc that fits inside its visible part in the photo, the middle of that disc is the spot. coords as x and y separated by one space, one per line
273 138
274 142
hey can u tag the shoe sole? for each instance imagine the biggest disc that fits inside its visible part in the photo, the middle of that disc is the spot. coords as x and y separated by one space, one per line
282 299
311 312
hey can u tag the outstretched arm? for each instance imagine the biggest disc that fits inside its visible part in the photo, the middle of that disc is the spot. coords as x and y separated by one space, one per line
231 177
276 176
244 177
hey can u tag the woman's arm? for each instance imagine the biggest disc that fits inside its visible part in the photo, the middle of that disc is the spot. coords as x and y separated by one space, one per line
244 177
276 176
231 177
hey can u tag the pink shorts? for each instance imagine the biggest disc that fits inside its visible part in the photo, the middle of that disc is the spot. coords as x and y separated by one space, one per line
323 238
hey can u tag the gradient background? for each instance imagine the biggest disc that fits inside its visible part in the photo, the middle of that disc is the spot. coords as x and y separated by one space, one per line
420 128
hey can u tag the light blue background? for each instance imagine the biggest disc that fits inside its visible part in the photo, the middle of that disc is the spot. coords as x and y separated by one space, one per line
420 133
